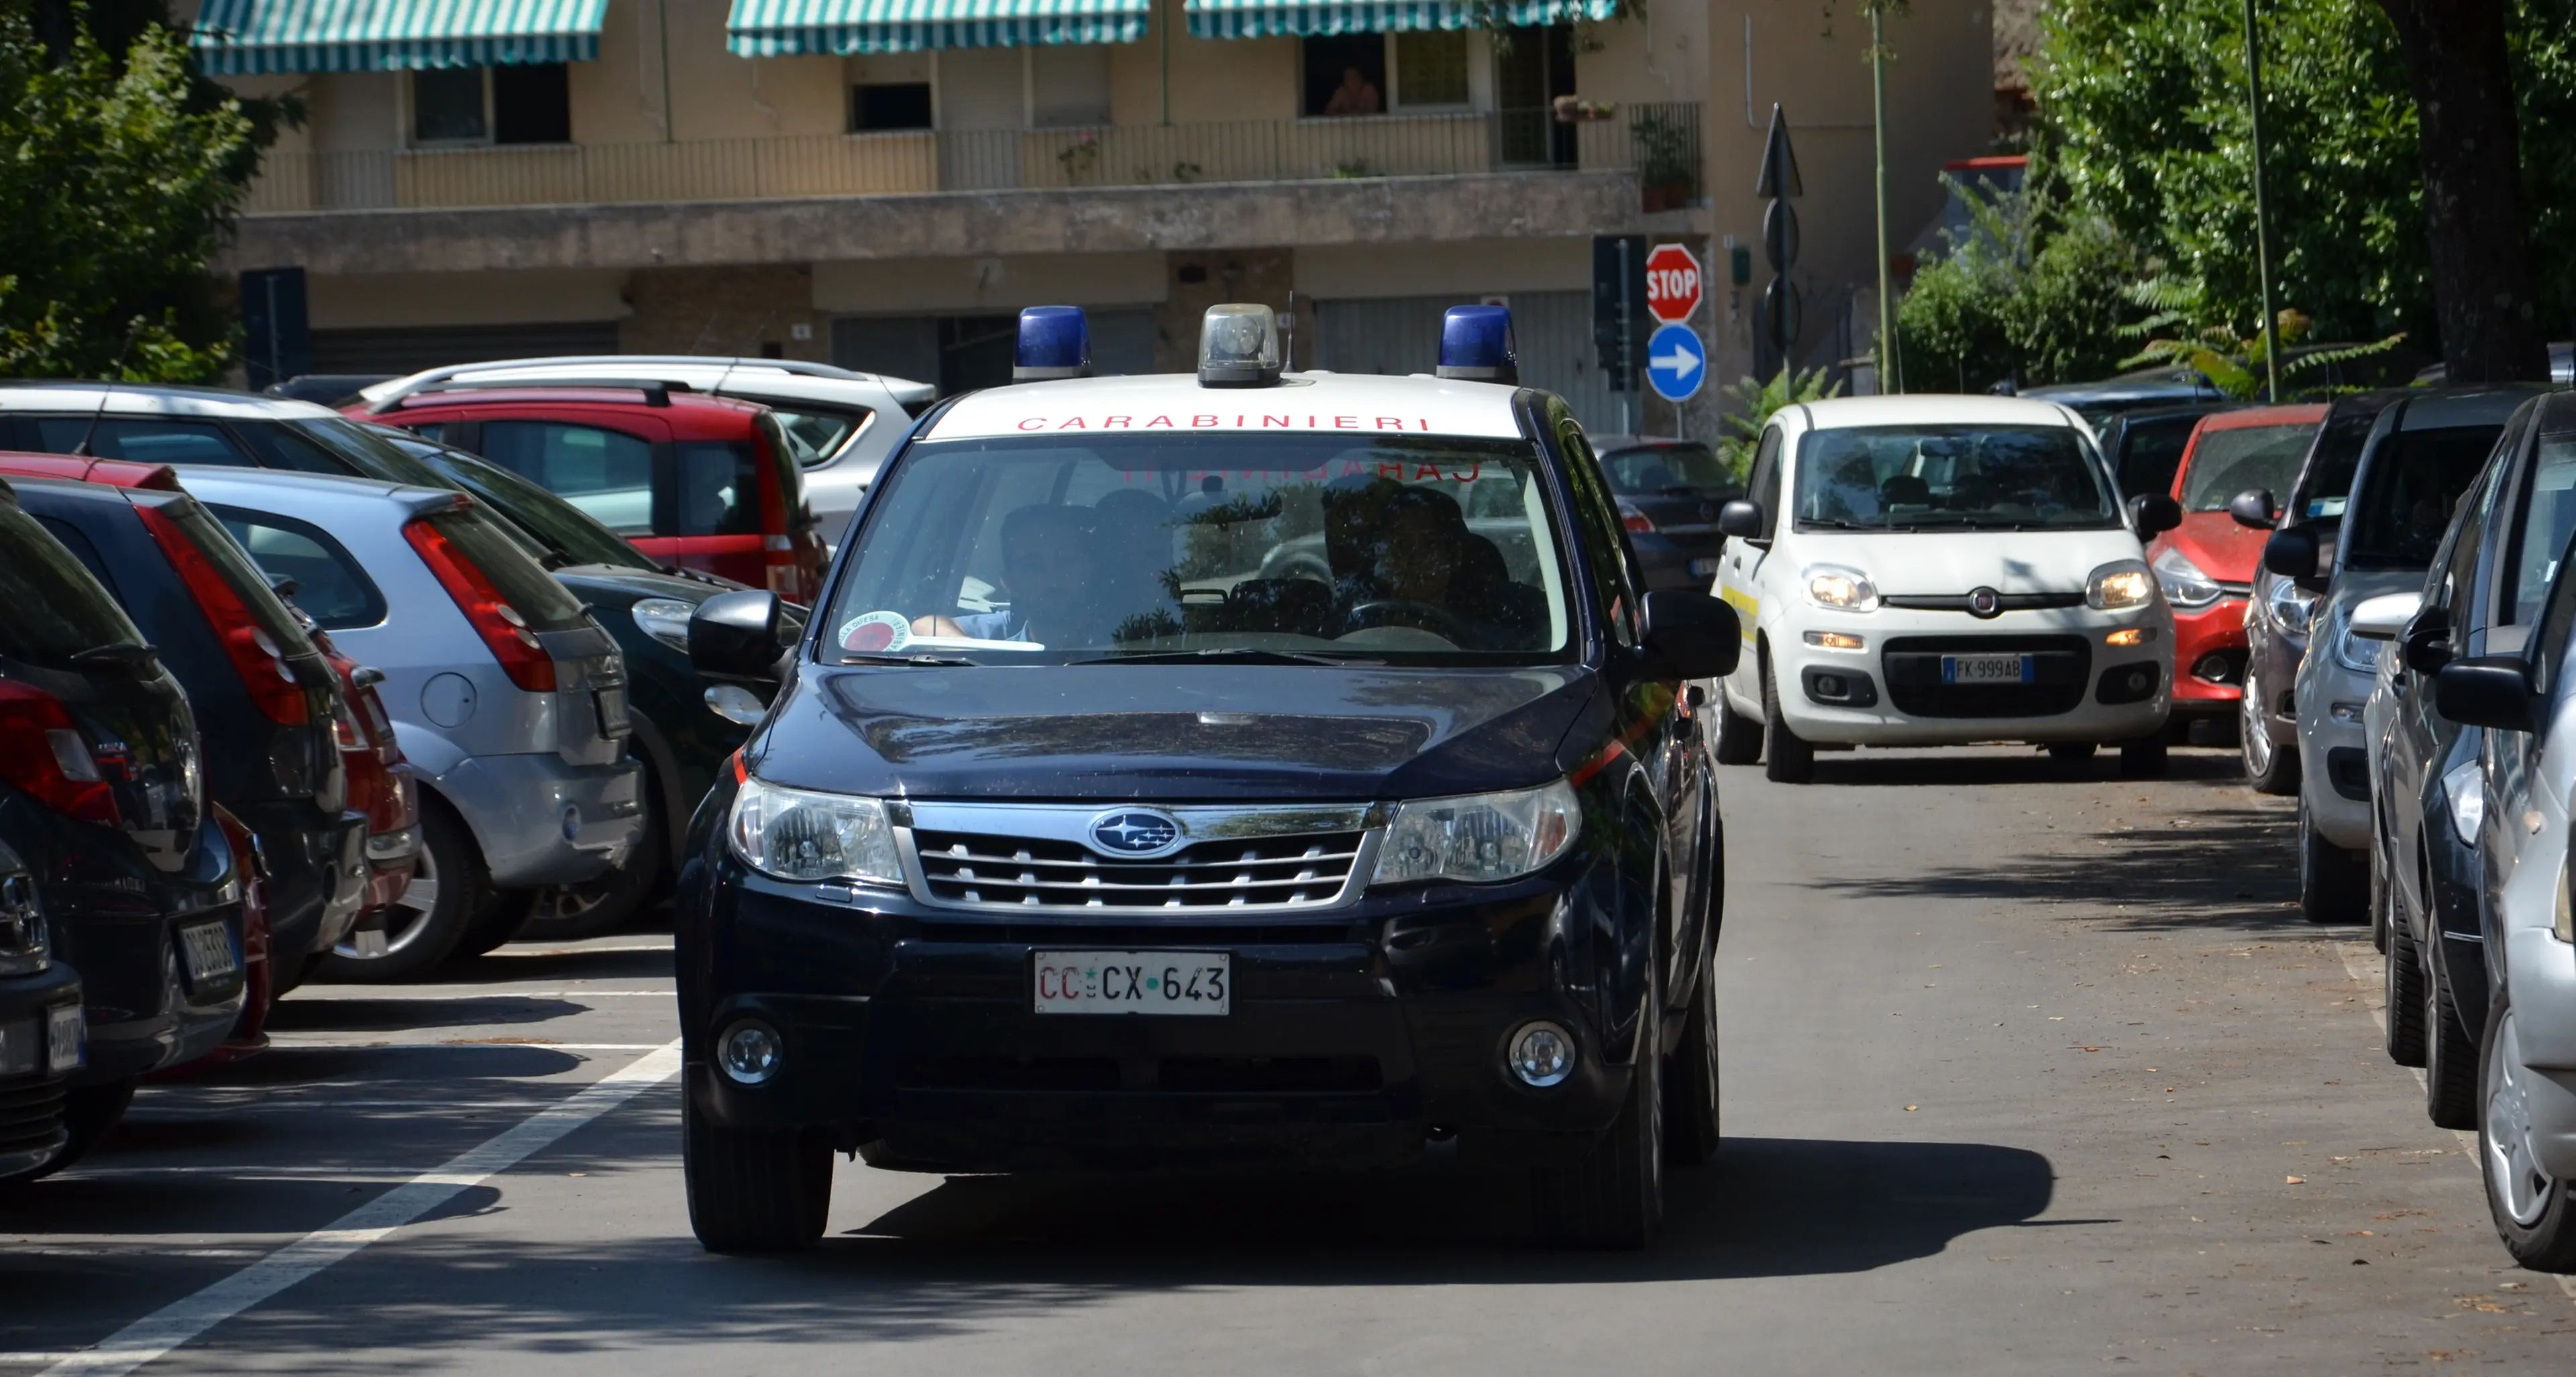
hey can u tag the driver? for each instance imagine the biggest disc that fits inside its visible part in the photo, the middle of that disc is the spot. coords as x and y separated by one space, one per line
1410 550
1049 568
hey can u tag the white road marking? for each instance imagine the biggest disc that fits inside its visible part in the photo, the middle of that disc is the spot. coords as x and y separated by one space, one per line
505 952
173 1325
2366 965
295 1042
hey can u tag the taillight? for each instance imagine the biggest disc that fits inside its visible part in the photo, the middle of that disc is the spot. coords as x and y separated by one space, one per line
345 729
1637 522
523 657
43 752
256 658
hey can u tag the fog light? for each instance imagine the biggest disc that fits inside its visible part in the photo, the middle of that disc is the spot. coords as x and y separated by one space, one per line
1834 640
2344 712
1831 686
2214 668
1542 1054
2130 635
749 1052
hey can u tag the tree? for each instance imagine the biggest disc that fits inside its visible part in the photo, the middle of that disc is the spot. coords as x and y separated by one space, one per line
2030 295
120 175
2468 140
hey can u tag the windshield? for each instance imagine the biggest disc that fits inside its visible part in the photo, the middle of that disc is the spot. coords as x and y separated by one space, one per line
558 525
1950 477
2414 479
1667 469
2333 462
2242 459
50 607
1421 550
813 437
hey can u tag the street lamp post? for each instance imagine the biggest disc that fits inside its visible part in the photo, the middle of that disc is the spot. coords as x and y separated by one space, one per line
1892 370
2262 213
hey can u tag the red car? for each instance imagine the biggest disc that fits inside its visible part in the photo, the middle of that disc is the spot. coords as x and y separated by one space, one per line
2207 564
702 482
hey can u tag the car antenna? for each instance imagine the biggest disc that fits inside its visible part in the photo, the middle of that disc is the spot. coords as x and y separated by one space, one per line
106 389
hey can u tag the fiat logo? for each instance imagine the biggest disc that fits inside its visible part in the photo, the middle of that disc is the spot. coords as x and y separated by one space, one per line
1984 602
1135 832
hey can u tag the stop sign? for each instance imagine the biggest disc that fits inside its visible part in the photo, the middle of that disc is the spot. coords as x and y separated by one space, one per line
1672 283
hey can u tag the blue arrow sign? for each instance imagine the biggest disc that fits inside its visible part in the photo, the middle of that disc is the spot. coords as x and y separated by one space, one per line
1676 362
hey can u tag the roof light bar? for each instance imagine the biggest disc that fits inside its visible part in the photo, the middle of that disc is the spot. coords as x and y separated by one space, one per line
1476 345
1239 346
1055 342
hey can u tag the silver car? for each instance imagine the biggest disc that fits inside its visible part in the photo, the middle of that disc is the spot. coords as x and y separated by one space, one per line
508 699
842 424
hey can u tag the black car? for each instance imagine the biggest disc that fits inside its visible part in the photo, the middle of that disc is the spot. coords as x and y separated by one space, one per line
2144 448
102 800
264 697
42 1033
1074 840
1668 493
2148 389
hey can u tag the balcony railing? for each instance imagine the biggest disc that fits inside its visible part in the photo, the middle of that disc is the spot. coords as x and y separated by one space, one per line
1660 142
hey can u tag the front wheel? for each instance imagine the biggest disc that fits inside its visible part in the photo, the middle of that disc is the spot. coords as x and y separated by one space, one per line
2402 987
448 895
2534 1215
753 1190
1792 760
1739 738
2332 883
2450 1059
2270 767
1611 1193
1690 1075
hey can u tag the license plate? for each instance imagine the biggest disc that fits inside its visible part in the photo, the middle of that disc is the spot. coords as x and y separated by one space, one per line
1703 568
209 950
66 1038
1134 982
1985 669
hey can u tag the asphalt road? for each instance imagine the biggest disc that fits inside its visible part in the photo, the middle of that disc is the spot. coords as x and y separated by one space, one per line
2028 1070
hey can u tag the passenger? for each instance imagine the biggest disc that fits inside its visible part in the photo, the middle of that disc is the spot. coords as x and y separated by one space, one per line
1050 569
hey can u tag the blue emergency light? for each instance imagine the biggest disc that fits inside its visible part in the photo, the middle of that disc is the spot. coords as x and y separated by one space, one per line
1476 345
1055 342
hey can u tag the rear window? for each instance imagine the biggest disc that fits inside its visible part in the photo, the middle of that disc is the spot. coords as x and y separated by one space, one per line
2151 453
247 580
2415 480
2242 459
1674 469
50 607
540 600
329 586
288 447
813 437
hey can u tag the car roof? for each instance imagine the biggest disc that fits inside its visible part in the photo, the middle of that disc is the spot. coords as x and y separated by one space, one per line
599 395
156 399
116 473
1838 413
779 377
2440 408
1360 404
245 487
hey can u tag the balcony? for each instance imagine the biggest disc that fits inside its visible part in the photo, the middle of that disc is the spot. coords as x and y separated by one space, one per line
1658 142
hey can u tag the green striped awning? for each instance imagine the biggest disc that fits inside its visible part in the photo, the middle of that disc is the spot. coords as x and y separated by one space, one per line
248 37
1301 18
782 28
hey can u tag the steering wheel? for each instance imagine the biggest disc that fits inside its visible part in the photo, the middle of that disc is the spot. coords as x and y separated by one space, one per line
1397 611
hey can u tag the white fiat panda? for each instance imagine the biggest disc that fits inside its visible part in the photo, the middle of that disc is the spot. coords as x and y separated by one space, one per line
1930 571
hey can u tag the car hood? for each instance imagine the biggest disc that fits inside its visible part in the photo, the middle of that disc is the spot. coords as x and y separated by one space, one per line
1169 733
2223 549
603 585
1936 563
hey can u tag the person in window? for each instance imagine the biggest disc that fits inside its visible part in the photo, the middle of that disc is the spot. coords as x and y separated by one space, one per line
1405 556
1049 567
1357 95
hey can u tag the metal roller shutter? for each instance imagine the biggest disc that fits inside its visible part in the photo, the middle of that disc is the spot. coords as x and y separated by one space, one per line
1402 335
409 349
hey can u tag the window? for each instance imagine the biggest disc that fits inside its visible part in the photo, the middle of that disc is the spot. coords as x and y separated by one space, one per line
328 584
719 488
1607 545
606 473
287 446
1950 477
1668 469
1345 74
2415 479
2243 459
143 441
447 106
1431 68
889 105
1764 489
517 104
50 608
2548 521
813 437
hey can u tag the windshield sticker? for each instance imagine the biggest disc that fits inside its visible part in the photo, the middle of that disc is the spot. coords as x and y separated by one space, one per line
888 633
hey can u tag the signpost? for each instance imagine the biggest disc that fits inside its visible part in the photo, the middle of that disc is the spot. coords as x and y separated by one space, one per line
1676 363
1779 183
1672 283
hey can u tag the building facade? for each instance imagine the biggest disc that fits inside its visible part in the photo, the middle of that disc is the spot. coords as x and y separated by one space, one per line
883 183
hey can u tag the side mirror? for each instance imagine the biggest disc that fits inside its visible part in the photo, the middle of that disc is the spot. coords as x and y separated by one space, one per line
2151 514
1743 520
2292 554
736 635
2490 691
1692 634
2254 507
2384 617
2424 641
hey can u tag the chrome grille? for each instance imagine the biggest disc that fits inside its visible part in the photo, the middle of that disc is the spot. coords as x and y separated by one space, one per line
1020 857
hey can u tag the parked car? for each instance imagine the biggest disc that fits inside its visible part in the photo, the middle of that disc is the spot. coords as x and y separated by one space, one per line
2562 367
2423 452
2147 389
2277 612
2144 448
507 697
840 425
42 1033
102 800
262 694
249 1036
381 786
1933 570
2206 565
1668 493
2525 1108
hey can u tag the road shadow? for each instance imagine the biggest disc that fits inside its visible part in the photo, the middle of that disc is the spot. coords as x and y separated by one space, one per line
399 1015
2025 766
558 963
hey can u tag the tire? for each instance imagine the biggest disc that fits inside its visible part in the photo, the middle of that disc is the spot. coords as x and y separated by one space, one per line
754 1190
1690 1077
1788 759
503 920
2381 896
1610 1194
2144 759
448 895
2071 752
2450 1060
90 1112
2333 884
1739 738
2403 985
2535 1216
2270 767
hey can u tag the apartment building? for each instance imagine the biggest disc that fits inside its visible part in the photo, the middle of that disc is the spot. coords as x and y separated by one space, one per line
883 183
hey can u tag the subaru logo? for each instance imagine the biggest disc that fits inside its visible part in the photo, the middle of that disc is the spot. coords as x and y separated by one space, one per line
1135 832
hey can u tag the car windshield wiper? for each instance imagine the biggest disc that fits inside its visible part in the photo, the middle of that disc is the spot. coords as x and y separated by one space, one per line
1249 654
1835 523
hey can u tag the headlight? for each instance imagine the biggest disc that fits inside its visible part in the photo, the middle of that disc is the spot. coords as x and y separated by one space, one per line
1479 838
2351 651
2184 582
2119 584
1845 590
802 834
665 620
2466 789
2287 604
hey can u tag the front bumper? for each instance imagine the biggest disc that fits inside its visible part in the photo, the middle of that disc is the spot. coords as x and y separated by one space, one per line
2272 667
541 821
2542 972
31 1080
2334 765
2209 659
311 860
1888 692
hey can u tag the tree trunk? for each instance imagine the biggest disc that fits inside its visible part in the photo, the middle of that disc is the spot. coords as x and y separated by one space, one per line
2469 145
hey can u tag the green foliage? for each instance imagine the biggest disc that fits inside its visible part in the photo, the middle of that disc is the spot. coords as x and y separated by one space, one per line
1750 404
2233 362
2021 298
118 181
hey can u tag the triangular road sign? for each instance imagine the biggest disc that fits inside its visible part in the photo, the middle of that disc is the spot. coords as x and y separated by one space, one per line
1779 163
